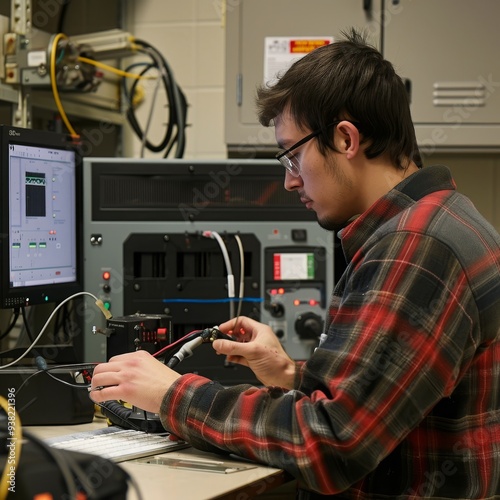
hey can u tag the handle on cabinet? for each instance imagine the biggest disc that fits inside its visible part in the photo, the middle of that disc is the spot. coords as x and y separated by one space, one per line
407 83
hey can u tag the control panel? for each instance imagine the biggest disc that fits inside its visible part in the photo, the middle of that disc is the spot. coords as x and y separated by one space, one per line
272 264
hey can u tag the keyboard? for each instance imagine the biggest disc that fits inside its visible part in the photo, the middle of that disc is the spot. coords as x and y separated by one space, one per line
116 444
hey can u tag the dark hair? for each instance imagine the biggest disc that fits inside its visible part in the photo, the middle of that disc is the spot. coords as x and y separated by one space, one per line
346 79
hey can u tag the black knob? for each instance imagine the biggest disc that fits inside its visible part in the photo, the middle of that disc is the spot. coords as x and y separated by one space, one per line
309 326
275 309
279 333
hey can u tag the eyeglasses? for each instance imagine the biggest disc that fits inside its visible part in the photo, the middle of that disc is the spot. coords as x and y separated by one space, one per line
290 161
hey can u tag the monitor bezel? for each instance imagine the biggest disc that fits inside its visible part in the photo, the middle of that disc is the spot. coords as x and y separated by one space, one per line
16 297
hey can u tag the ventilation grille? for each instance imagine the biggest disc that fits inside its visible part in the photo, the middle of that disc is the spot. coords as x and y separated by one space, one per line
468 94
132 192
203 193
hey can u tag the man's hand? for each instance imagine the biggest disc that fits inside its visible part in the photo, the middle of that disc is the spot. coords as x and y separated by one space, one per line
259 349
137 378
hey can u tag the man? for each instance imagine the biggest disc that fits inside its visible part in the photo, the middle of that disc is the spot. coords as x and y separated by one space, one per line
402 397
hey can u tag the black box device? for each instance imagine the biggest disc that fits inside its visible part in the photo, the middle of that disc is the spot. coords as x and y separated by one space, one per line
42 400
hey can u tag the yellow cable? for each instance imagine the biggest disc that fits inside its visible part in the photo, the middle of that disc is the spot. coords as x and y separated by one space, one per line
10 463
53 83
117 71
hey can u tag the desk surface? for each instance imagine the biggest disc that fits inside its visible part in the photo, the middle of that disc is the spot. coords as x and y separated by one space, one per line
162 481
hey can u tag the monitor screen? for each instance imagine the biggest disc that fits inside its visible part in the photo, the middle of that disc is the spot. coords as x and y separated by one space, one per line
40 217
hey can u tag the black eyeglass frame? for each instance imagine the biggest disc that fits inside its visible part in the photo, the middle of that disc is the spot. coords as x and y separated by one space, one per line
290 166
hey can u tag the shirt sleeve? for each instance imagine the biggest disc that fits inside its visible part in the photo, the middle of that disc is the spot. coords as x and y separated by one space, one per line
400 335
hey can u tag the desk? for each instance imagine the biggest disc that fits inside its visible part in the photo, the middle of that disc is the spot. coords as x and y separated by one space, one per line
160 481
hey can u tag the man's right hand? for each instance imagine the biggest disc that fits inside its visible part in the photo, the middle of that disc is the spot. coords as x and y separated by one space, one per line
258 348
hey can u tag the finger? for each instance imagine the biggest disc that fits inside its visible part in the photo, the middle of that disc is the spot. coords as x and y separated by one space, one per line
107 379
106 394
239 360
236 352
129 356
233 324
107 367
227 347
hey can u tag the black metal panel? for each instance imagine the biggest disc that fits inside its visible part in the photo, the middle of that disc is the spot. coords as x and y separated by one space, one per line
228 190
184 275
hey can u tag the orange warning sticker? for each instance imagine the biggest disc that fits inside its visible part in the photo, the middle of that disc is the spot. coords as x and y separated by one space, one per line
303 46
280 52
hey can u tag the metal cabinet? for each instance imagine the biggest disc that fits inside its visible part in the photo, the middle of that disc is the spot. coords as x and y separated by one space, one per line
448 51
248 24
445 49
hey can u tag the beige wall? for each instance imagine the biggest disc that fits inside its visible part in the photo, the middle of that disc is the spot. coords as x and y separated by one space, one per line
478 177
190 35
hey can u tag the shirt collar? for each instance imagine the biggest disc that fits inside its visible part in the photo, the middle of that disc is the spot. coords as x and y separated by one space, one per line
423 182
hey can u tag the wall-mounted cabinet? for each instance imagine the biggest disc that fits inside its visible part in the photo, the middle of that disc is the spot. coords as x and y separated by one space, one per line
448 50
445 49
250 24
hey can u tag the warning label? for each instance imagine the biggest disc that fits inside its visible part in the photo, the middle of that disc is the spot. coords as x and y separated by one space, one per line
305 46
281 52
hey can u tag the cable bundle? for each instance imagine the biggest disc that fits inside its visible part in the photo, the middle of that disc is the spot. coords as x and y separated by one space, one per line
177 104
175 133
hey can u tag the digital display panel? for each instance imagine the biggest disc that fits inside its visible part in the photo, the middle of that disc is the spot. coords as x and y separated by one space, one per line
41 210
42 214
293 266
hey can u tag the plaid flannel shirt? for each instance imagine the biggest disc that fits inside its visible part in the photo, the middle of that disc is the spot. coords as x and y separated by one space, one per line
402 397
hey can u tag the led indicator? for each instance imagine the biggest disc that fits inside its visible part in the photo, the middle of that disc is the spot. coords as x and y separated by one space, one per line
106 275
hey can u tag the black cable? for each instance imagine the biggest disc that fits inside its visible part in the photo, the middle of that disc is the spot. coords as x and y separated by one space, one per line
118 414
39 359
76 366
26 325
62 16
135 124
64 382
12 324
173 92
191 342
177 109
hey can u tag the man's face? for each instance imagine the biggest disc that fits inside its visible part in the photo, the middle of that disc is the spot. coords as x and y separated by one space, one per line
325 184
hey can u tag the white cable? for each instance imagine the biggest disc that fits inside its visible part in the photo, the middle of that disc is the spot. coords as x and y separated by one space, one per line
98 304
185 351
229 269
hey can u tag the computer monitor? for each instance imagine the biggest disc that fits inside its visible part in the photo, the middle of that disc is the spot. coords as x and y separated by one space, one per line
40 217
